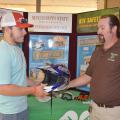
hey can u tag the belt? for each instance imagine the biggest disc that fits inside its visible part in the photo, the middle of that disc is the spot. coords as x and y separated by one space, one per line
105 106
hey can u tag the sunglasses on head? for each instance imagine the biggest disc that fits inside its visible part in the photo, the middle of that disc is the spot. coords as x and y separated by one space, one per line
23 20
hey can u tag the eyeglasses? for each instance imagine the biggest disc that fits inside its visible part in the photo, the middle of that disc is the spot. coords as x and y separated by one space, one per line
22 20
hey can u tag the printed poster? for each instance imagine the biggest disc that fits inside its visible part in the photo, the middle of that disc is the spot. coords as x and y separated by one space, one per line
85 47
47 49
50 22
87 21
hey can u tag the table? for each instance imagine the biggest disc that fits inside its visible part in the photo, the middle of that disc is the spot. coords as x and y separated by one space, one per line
42 110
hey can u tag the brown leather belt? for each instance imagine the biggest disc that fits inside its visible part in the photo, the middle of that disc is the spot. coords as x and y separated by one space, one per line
105 106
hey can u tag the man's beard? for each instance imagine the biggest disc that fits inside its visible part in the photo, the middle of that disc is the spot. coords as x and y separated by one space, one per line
16 38
101 38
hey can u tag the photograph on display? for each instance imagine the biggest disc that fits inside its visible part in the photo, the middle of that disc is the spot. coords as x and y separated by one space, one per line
85 47
45 50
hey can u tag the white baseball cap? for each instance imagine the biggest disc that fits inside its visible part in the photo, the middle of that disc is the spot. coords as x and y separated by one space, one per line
14 19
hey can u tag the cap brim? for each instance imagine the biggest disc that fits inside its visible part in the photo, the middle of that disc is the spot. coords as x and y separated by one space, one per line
24 25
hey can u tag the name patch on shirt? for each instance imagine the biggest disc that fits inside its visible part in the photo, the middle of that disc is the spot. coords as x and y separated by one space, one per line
112 57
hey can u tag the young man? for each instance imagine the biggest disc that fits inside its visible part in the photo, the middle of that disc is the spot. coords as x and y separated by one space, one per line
13 83
103 72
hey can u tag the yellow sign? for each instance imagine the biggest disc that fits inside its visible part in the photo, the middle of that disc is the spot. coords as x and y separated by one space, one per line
37 55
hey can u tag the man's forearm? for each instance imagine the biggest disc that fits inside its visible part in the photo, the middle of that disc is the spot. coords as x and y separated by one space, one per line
30 82
80 81
14 90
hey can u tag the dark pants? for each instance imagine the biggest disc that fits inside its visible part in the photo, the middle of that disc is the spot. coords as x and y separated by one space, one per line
18 116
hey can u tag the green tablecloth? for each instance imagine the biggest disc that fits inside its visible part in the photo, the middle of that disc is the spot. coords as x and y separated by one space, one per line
42 110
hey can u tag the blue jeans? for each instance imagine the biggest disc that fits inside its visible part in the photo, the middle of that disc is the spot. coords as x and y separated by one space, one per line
18 116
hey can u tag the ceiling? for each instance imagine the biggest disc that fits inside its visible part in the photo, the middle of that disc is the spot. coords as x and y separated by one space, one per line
59 6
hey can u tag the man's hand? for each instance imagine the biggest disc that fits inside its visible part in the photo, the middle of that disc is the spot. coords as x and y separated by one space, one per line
38 91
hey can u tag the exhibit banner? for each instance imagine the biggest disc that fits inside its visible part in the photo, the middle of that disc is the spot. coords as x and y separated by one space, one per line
47 49
50 22
87 22
85 47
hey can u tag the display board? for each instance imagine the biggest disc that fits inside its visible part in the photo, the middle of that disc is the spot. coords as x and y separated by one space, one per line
85 47
50 22
47 49
87 22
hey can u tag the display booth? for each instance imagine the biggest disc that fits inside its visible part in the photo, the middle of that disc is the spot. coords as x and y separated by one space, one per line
68 39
